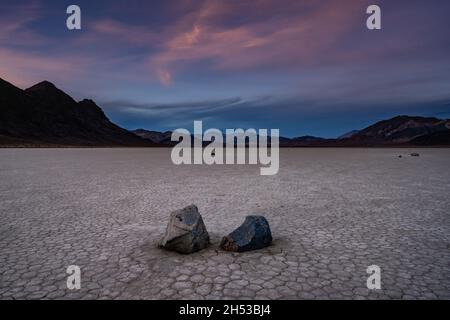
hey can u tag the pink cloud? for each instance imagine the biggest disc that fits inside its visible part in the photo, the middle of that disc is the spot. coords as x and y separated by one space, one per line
267 35
291 35
288 39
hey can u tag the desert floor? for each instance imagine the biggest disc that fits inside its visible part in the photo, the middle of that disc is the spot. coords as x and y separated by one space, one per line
333 213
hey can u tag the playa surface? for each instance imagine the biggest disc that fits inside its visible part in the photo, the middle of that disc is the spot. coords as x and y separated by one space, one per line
333 213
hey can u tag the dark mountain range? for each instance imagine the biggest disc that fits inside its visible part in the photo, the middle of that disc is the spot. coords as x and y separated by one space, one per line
43 115
154 136
398 131
165 137
401 129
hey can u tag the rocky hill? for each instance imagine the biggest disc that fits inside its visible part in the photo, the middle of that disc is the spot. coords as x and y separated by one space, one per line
44 115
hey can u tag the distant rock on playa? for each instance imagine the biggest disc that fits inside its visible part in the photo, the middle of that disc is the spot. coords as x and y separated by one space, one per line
253 234
186 232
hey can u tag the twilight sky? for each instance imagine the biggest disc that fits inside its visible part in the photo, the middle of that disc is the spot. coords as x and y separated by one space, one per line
306 67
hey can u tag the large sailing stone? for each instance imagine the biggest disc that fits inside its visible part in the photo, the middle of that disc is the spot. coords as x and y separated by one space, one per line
253 234
186 232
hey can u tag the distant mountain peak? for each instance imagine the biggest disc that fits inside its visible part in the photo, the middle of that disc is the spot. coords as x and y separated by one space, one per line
47 91
417 118
400 129
154 136
42 85
307 138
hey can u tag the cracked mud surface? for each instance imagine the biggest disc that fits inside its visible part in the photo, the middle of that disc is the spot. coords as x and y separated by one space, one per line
333 213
